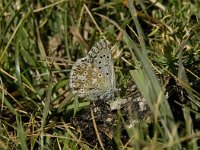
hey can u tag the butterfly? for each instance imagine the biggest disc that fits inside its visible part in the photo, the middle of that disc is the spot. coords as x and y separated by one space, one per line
93 76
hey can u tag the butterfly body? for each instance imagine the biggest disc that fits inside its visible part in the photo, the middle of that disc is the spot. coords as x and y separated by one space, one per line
93 76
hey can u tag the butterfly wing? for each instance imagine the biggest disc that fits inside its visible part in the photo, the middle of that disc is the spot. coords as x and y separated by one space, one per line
102 57
93 76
